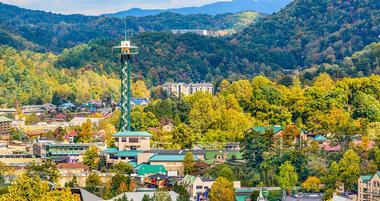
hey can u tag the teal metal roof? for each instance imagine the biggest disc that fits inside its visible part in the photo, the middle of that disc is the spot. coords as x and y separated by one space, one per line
241 197
320 138
366 178
167 158
242 190
111 150
127 153
132 134
151 169
262 129
134 164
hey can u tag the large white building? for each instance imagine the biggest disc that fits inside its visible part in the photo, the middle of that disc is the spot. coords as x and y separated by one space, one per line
181 88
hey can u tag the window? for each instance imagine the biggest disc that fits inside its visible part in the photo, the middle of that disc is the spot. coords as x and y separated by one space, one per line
123 158
123 139
116 139
198 187
133 140
133 147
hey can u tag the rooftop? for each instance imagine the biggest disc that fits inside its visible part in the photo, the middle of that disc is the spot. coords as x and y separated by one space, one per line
144 169
132 134
5 119
72 166
156 158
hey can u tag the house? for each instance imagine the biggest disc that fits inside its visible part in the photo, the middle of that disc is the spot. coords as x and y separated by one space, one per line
167 127
369 187
66 106
38 109
4 111
218 157
5 128
139 102
200 187
70 136
72 168
172 163
78 121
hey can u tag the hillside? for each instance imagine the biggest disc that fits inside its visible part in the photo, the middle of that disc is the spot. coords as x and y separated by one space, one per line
45 31
235 6
310 32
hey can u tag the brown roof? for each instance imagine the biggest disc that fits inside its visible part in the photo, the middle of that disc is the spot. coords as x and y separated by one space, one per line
72 166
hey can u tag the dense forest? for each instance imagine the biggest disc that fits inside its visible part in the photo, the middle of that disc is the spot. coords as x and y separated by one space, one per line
42 31
310 32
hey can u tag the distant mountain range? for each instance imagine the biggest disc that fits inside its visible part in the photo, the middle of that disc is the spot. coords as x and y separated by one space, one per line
235 6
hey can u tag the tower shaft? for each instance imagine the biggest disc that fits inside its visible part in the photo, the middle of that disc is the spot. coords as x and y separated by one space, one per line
125 120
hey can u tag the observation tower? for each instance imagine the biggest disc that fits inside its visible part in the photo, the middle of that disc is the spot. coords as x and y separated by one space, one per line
126 52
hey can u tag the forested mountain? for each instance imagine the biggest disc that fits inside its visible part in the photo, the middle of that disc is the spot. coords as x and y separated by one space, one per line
53 32
309 32
235 6
314 36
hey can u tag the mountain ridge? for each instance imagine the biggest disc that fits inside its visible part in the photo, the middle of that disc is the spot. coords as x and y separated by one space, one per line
235 6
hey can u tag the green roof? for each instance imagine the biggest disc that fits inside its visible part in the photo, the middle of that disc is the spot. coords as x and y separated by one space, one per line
366 178
4 119
132 134
167 158
151 169
127 153
189 179
262 129
241 197
237 154
242 190
111 150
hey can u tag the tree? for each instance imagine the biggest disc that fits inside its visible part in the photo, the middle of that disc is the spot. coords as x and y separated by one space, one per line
122 168
311 184
222 190
222 170
376 153
183 136
120 184
349 167
200 168
188 162
93 183
59 134
85 132
91 157
32 188
183 194
161 195
46 171
146 198
287 178
254 145
72 183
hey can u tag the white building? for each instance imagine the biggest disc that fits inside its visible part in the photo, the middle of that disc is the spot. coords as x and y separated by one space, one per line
181 88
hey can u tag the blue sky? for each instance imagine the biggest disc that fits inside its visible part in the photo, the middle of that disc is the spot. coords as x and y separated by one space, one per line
94 7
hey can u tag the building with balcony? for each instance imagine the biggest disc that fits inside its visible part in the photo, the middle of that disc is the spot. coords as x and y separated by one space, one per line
5 128
179 89
369 187
128 146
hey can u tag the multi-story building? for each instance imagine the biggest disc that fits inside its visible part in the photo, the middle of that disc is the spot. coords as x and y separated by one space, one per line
74 150
129 145
178 89
5 128
369 187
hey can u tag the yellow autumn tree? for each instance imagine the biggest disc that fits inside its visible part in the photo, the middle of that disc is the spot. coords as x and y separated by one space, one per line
32 188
